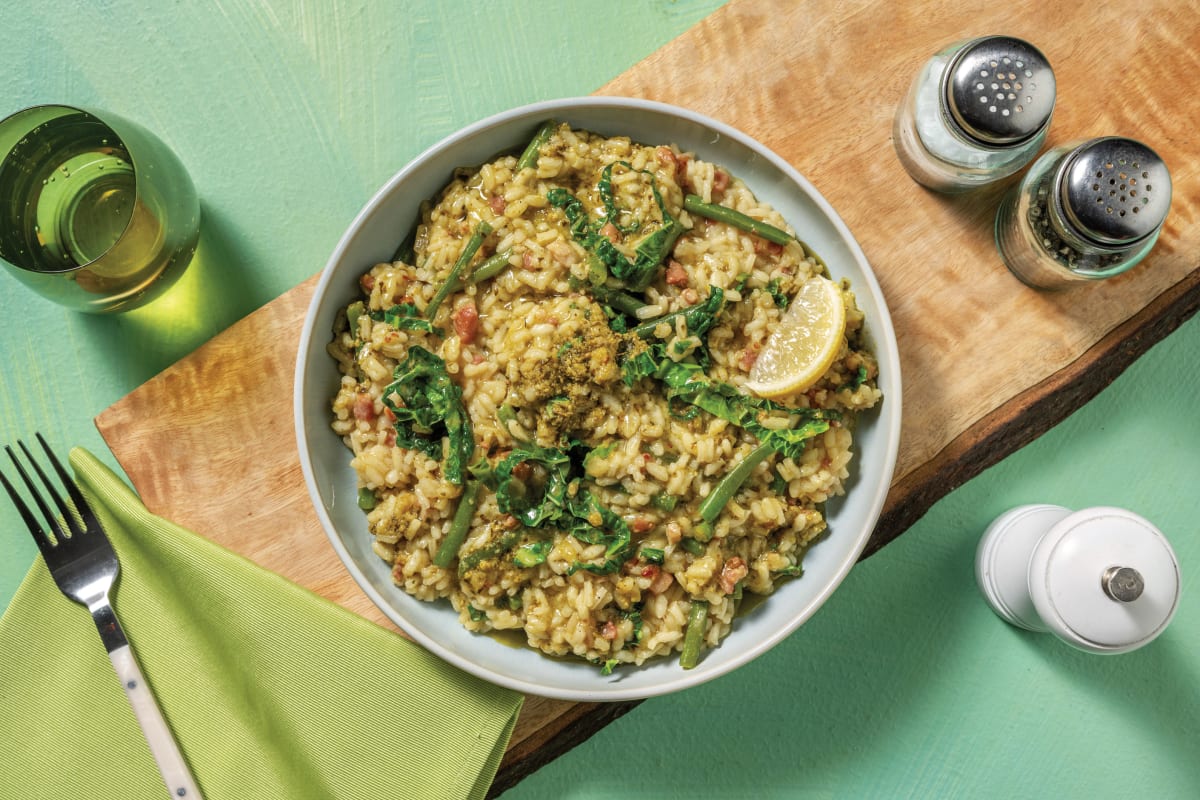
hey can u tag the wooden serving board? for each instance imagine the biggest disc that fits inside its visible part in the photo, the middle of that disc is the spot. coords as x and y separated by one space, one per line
988 364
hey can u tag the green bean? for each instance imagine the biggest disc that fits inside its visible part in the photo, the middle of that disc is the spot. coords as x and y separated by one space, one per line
404 252
499 547
654 555
712 506
366 498
482 230
664 502
617 300
693 638
459 525
698 318
737 219
488 268
530 156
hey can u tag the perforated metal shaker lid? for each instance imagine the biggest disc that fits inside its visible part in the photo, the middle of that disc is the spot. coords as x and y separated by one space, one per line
1113 191
999 91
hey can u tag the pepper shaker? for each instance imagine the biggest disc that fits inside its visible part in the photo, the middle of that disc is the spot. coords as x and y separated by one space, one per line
1104 580
976 112
1086 210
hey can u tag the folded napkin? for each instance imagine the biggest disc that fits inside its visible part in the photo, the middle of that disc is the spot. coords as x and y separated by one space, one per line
272 691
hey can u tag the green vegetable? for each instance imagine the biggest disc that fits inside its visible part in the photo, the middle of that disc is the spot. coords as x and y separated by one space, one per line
532 554
488 268
612 214
427 404
459 526
598 453
545 500
608 667
353 313
691 545
366 498
634 616
611 532
481 232
475 614
495 549
686 382
737 219
406 316
794 571
856 380
664 502
781 300
616 299
698 318
778 484
712 506
693 638
530 155
650 251
404 252
507 416
653 360
652 555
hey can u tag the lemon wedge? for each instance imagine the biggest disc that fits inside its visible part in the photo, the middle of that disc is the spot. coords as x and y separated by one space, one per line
803 347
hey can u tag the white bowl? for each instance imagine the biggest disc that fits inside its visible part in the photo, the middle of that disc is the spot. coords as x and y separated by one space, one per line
373 237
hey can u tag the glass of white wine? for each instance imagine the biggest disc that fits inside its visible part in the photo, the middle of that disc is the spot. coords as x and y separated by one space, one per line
96 213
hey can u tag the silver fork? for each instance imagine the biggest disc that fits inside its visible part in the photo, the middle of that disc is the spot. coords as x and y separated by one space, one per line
84 566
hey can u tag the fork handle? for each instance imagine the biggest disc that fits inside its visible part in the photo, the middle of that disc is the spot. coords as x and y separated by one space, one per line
162 744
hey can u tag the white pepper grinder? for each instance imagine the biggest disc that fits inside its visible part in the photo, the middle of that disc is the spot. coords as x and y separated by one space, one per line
1103 579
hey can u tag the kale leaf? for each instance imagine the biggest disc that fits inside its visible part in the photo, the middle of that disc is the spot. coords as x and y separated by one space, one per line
428 406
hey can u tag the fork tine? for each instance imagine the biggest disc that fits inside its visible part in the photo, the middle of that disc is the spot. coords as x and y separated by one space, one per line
39 535
77 498
53 519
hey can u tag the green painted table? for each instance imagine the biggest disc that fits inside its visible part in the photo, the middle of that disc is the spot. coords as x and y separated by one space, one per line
905 685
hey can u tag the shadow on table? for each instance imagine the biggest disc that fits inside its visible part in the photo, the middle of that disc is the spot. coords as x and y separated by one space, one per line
218 288
1154 688
903 679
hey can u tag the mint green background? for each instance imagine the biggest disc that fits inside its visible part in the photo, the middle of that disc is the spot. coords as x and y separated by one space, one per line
290 115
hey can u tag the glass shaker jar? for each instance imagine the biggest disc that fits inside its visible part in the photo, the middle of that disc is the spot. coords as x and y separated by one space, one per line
1086 210
976 112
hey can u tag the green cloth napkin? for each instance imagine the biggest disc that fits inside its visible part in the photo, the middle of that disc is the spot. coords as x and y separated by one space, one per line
272 691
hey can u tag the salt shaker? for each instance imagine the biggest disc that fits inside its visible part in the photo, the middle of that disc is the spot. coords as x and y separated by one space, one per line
1086 210
976 112
1103 579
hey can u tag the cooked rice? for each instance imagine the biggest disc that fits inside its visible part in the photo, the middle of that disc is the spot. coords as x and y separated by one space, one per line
519 357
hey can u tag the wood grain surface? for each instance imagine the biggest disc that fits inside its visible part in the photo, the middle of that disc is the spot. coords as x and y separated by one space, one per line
988 364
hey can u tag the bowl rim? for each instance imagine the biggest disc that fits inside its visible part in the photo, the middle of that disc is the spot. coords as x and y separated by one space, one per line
881 327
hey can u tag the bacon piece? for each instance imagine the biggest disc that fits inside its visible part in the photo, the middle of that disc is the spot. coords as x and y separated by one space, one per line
763 247
720 181
364 407
641 524
734 570
466 322
661 582
610 232
676 274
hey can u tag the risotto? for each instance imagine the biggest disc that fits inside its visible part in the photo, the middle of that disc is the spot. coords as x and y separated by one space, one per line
543 394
